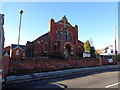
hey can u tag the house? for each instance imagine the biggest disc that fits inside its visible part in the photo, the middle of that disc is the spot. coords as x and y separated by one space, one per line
99 51
15 51
62 37
107 51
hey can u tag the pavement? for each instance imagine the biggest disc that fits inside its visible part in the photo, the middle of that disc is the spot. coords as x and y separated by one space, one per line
61 73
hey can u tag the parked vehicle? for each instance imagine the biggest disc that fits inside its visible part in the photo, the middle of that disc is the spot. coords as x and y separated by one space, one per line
2 77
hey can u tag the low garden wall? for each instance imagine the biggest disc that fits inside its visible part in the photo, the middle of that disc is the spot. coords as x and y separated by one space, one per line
32 65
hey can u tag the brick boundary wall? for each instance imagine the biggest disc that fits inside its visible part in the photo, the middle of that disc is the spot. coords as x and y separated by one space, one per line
5 64
32 65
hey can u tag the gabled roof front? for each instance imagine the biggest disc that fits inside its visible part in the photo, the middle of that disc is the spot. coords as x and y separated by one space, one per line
105 51
13 46
64 20
7 48
99 50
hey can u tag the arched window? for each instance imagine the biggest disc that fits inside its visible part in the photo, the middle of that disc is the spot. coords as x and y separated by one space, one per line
55 46
41 50
17 52
64 34
79 48
58 35
69 37
46 47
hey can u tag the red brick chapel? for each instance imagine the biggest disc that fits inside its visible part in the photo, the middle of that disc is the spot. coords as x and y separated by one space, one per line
62 37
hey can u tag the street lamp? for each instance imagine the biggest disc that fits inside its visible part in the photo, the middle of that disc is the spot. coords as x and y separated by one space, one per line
21 12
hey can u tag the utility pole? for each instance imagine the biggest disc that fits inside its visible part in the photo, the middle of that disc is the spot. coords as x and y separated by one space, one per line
17 62
115 44
1 38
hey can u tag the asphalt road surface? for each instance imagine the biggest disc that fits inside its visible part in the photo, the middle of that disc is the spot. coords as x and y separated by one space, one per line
96 80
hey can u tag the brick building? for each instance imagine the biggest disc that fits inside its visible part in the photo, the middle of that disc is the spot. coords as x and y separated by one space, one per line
62 37
15 51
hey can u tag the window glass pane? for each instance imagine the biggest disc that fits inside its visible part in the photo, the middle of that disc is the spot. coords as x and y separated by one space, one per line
58 36
69 37
55 47
45 47
64 34
17 52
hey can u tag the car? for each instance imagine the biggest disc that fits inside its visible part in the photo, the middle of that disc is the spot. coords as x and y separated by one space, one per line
2 77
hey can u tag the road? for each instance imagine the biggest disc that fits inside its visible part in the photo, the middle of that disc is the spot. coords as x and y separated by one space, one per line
96 80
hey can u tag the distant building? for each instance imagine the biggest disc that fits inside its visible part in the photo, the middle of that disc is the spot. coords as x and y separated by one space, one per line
15 51
106 51
62 37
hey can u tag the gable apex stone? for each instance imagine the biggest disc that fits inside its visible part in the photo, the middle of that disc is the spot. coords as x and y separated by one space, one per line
64 18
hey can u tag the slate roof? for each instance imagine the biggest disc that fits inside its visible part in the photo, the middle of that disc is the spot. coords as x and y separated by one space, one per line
80 42
101 50
21 46
46 36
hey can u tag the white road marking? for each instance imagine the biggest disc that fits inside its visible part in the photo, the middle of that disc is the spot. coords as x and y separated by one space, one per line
112 85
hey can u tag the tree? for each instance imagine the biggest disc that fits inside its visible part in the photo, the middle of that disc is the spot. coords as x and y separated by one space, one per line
118 57
92 51
87 46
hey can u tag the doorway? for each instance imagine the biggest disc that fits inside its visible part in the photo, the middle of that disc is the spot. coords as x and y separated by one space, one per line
67 51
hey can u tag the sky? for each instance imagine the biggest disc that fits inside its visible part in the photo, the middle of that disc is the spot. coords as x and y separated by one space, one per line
95 20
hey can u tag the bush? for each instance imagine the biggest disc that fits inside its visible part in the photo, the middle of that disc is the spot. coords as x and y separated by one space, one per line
118 58
56 55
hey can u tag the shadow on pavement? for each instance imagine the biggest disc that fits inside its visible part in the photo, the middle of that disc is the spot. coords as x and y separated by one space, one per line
47 83
42 84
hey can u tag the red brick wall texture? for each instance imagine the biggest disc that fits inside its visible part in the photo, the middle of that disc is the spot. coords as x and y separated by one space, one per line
42 65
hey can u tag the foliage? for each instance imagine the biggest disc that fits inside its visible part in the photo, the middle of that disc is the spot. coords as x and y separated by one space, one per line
87 46
118 57
92 51
56 55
